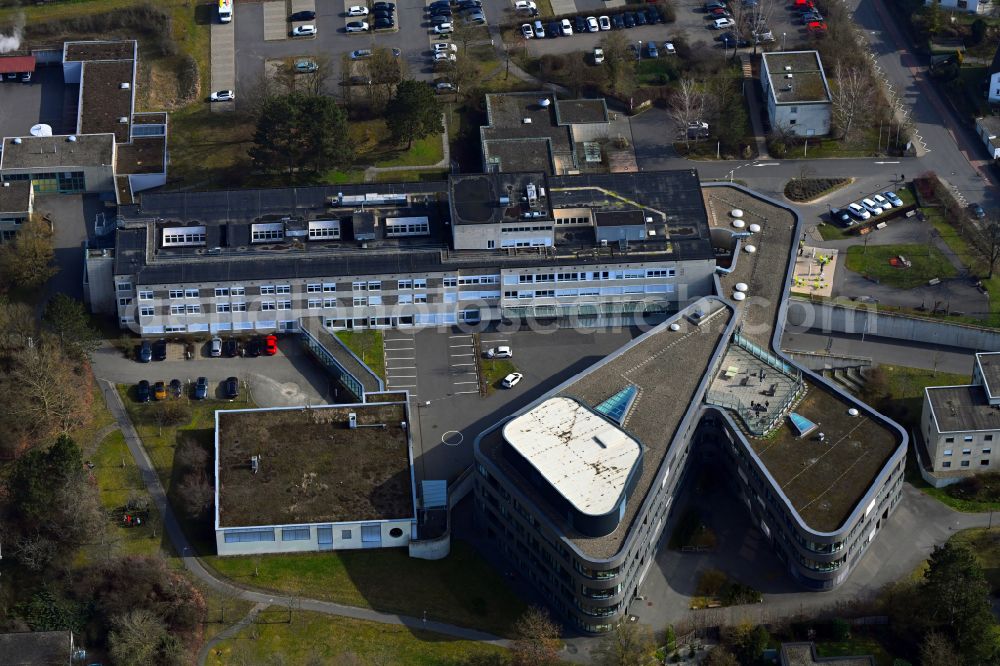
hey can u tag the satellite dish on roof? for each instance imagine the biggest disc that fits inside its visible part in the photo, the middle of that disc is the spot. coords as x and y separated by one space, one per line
739 224
736 212
675 327
852 411
750 249
544 102
739 296
41 129
754 228
741 286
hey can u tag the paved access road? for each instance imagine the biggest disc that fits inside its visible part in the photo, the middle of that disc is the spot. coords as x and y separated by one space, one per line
883 350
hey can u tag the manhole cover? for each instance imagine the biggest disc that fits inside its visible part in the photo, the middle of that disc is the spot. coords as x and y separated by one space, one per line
290 389
452 438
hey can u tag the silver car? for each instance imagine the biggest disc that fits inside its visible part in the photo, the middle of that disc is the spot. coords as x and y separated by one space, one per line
215 347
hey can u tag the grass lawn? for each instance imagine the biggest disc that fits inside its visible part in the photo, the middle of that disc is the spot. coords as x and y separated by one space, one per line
906 390
100 417
855 646
209 149
424 152
831 231
873 261
654 72
366 345
493 370
461 589
343 641
863 145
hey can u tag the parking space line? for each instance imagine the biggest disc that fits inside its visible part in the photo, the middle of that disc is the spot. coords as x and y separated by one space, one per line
456 355
458 346
457 383
402 386
466 392
455 365
466 335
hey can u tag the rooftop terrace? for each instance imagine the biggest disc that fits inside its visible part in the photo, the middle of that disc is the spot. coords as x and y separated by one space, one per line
962 408
15 196
313 468
44 152
142 156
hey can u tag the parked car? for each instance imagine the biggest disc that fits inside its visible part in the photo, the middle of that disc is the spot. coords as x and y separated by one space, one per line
159 391
527 31
302 16
361 53
176 388
160 350
231 388
653 16
719 13
858 211
142 391
604 22
384 24
271 345
476 17
976 210
356 26
439 3
230 348
652 50
598 55
443 29
714 4
732 40
252 348
444 87
525 6
723 23
891 196
388 6
640 18
145 352
440 11
502 351
579 25
222 96
841 217
763 37
357 10
617 22
592 24
553 29
306 66
444 56
440 20
539 30
883 203
871 206
215 347
443 47
511 380
629 19
633 50
200 391
26 77
307 30
816 28
668 48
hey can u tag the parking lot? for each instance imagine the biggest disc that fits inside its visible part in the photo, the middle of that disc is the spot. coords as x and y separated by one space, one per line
291 377
47 99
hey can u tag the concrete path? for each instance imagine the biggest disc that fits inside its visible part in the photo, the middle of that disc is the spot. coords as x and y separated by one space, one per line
183 549
223 62
231 632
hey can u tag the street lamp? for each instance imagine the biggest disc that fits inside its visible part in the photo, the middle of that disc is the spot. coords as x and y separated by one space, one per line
782 41
638 55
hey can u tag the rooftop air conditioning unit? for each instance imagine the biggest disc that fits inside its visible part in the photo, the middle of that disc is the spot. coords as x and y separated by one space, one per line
604 242
789 76
71 138
788 68
17 140
526 121
352 420
125 85
123 120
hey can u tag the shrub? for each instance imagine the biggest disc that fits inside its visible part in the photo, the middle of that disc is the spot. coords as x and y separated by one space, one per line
840 629
978 32
188 78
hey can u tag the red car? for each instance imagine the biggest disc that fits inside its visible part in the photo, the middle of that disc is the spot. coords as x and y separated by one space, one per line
271 345
718 12
817 28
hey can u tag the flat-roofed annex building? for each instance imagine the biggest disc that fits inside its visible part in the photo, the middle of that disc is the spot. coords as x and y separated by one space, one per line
329 477
114 148
796 92
961 424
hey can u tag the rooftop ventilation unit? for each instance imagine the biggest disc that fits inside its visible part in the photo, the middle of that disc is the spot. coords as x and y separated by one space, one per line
532 193
788 68
16 140
544 102
123 120
255 463
352 420
789 76
125 85
71 138
526 121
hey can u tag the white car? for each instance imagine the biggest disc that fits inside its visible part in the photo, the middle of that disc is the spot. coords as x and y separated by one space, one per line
304 31
604 22
882 201
872 207
527 31
222 96
357 10
357 26
511 380
361 53
443 29
444 56
524 6
539 30
592 24
444 47
723 23
445 87
858 212
502 351
567 29
598 55
668 48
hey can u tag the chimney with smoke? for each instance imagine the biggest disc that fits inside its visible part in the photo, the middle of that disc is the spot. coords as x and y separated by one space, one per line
11 41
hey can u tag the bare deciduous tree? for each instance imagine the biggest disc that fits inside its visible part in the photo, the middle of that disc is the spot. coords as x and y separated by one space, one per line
991 245
852 98
628 644
619 63
537 642
687 106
